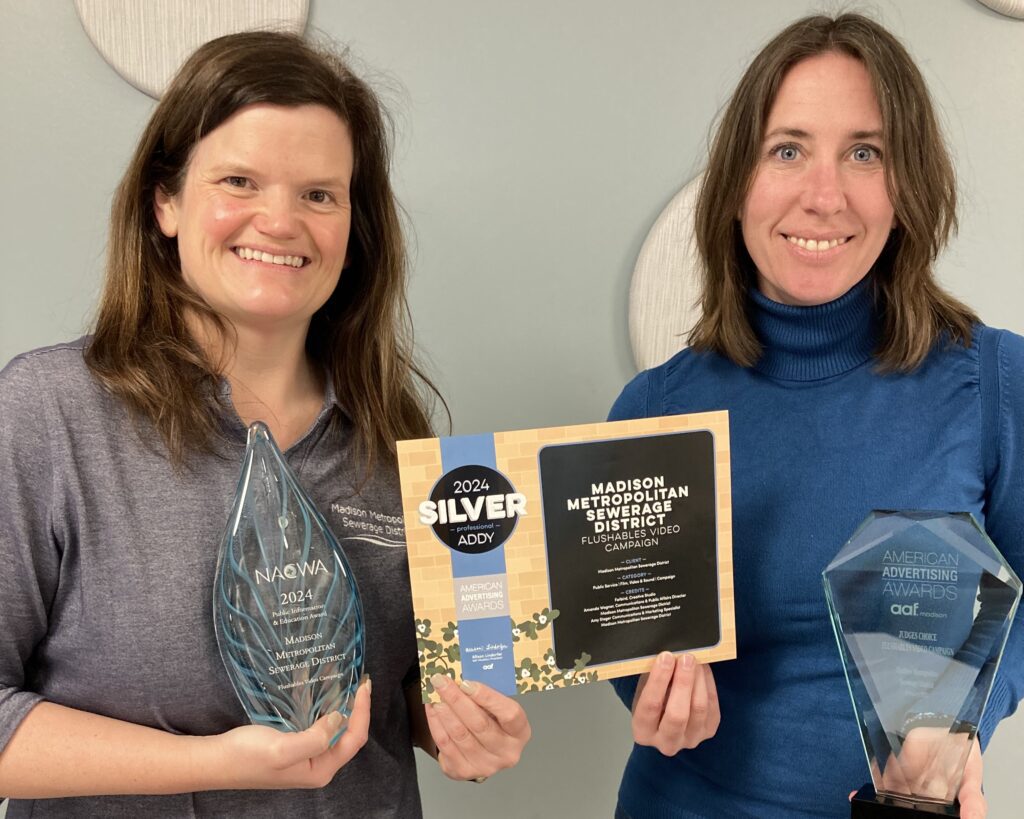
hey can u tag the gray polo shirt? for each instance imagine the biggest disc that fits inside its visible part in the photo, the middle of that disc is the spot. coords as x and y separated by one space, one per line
107 557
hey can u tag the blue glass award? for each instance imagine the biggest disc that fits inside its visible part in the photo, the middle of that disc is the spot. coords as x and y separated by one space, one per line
921 604
285 604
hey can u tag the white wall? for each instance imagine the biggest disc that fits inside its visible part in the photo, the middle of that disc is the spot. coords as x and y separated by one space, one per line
538 142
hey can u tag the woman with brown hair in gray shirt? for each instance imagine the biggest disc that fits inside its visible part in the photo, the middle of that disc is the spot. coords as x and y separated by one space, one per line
256 271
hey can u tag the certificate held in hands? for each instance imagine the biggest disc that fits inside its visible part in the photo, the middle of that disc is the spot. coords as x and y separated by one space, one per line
552 557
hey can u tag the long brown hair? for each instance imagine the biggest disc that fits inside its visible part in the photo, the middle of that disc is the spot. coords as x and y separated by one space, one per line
141 347
920 179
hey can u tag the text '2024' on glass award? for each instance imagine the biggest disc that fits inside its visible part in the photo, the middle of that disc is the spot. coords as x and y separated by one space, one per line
285 604
921 604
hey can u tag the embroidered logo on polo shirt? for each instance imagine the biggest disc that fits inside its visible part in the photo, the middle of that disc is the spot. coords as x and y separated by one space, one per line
371 522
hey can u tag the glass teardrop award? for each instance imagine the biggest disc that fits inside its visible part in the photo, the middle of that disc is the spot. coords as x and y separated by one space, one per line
285 605
921 604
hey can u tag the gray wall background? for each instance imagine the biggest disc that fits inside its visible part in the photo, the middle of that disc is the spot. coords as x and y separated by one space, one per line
537 143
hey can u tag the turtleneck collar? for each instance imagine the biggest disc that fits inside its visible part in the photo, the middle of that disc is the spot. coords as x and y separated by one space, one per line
811 343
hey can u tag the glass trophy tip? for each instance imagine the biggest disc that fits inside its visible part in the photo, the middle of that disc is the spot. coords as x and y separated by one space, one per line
258 430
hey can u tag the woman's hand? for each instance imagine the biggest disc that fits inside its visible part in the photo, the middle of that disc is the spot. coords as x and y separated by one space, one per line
676 704
478 731
256 756
973 804
929 762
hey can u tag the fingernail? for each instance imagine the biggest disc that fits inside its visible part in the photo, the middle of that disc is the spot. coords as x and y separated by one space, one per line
468 686
665 659
334 721
688 661
439 681
368 683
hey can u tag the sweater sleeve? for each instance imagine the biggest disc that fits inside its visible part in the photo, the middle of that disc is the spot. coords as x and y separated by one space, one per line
1002 355
635 401
29 557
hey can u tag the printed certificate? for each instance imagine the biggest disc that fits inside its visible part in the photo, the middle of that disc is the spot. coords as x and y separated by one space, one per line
546 558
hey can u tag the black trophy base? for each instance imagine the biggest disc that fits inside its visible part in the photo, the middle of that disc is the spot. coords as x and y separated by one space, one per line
866 804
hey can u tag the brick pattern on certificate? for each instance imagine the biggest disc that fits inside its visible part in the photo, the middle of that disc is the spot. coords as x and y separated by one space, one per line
525 553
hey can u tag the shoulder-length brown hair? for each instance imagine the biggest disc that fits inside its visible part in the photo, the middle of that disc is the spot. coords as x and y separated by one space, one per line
141 347
920 179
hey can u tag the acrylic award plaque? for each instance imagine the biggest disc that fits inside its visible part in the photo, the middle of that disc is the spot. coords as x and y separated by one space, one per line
285 604
921 604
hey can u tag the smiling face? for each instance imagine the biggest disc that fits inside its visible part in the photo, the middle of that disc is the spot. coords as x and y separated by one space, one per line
263 216
818 214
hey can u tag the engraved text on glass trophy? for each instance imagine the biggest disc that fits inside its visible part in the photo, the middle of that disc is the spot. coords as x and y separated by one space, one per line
286 609
921 604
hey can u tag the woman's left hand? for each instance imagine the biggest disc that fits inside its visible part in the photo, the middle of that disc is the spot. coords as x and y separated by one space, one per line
919 756
478 731
973 804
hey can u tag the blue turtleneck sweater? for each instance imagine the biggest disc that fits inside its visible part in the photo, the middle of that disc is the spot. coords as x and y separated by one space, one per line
820 438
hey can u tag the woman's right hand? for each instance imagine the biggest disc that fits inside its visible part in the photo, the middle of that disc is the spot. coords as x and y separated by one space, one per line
58 751
676 704
257 756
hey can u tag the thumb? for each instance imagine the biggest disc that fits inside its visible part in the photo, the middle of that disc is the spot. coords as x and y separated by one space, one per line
293 748
973 804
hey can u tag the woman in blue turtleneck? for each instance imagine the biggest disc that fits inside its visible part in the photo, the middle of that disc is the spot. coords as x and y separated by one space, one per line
853 382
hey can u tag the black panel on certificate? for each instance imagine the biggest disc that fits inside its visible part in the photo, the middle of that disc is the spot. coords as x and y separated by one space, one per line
632 552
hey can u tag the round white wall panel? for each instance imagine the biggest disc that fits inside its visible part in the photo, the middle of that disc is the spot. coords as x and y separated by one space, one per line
146 42
666 283
1011 8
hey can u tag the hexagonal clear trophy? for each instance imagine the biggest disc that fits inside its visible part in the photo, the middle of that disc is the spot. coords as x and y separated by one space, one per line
921 604
285 604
